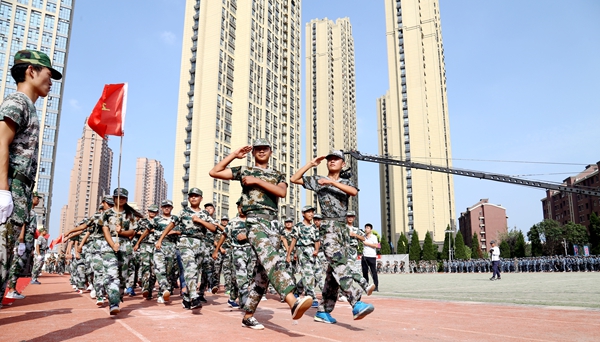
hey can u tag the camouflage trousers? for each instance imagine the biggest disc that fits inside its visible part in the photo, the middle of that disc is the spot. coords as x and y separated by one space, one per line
37 265
270 263
244 262
133 271
340 273
229 274
146 251
320 268
193 251
306 267
111 274
97 265
20 264
209 274
78 271
124 257
164 261
356 268
87 255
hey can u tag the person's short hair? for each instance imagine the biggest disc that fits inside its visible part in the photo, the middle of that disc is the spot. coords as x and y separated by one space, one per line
18 71
369 225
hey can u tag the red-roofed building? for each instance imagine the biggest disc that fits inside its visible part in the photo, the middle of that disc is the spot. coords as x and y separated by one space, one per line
487 219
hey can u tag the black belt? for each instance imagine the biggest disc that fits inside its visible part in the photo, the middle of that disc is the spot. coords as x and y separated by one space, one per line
14 174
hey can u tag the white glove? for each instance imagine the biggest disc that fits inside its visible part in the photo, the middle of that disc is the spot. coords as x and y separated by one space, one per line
21 249
6 205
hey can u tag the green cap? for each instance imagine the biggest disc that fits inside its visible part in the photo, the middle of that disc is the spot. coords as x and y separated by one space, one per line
35 194
34 57
108 200
120 192
351 213
239 201
289 219
209 204
336 153
261 142
195 191
153 208
42 229
318 217
166 203
307 208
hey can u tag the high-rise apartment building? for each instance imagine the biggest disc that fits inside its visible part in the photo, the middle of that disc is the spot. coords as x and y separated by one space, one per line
240 80
414 124
330 94
43 25
90 176
150 184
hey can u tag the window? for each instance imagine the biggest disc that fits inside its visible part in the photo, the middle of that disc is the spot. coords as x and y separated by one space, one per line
32 35
37 3
45 168
63 27
47 151
49 22
59 57
43 185
50 119
19 31
21 15
66 2
64 13
5 10
61 43
51 6
49 134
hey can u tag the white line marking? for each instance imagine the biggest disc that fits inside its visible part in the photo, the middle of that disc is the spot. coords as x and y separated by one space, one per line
133 331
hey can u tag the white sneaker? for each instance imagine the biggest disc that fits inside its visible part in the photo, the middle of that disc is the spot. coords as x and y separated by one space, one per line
160 300
14 295
74 287
90 288
93 293
343 299
263 298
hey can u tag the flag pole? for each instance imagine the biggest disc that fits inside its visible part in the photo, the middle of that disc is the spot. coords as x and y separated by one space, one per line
119 185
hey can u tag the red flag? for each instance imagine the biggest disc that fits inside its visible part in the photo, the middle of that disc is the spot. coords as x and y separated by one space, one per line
56 241
108 115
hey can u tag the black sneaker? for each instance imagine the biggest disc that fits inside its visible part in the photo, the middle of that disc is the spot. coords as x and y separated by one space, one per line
202 299
492 278
186 304
196 304
300 306
252 323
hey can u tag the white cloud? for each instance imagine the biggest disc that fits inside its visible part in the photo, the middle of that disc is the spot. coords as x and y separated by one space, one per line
168 37
75 104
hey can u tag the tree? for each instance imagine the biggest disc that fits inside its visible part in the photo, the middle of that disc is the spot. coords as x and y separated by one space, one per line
447 243
475 247
459 247
546 238
385 246
510 237
402 245
429 250
520 246
504 250
594 228
468 252
535 242
414 253
574 234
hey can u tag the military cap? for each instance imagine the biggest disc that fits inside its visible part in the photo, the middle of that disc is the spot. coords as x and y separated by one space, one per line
289 219
351 213
336 153
109 200
318 217
35 194
34 57
209 204
121 192
307 208
153 208
224 217
261 142
84 220
100 207
42 229
165 203
239 201
195 191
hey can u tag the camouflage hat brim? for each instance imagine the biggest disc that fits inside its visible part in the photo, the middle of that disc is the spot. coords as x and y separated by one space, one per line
34 57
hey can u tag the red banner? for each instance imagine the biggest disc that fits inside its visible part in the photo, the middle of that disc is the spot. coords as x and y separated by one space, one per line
108 115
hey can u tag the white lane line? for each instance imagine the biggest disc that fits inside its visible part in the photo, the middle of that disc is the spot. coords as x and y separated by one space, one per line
133 331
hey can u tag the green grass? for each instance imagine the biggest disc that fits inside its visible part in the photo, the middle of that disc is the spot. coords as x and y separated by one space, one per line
552 289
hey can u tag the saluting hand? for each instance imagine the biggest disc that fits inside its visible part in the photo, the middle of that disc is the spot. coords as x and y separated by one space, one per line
315 162
241 153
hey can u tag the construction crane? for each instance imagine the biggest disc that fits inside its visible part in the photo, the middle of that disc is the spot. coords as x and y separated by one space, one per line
470 173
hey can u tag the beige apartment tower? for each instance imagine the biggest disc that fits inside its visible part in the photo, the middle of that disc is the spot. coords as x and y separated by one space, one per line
240 80
90 177
43 25
330 94
414 124
150 184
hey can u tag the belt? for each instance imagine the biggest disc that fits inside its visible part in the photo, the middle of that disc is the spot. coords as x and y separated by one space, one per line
14 174
339 219
263 216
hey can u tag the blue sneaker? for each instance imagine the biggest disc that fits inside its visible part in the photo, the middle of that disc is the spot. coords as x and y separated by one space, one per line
361 310
324 317
128 290
232 304
132 293
315 304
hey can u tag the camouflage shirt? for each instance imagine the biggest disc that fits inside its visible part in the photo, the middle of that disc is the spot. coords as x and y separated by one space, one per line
94 227
288 235
161 224
23 151
305 235
151 224
111 219
234 227
255 199
43 243
209 237
333 201
188 227
354 241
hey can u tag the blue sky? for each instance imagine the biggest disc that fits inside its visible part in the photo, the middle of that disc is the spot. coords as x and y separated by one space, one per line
522 81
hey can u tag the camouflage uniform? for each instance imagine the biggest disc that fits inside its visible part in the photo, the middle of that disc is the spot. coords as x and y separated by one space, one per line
209 275
23 164
39 261
352 252
242 258
164 258
261 209
95 254
306 237
20 263
334 236
192 248
134 264
112 219
223 263
146 251
288 235
77 265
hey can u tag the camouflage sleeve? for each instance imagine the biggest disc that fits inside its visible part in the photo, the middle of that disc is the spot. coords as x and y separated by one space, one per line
349 182
236 172
282 179
13 108
295 234
311 183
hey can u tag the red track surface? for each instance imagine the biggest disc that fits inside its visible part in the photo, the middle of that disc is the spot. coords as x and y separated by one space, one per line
53 312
